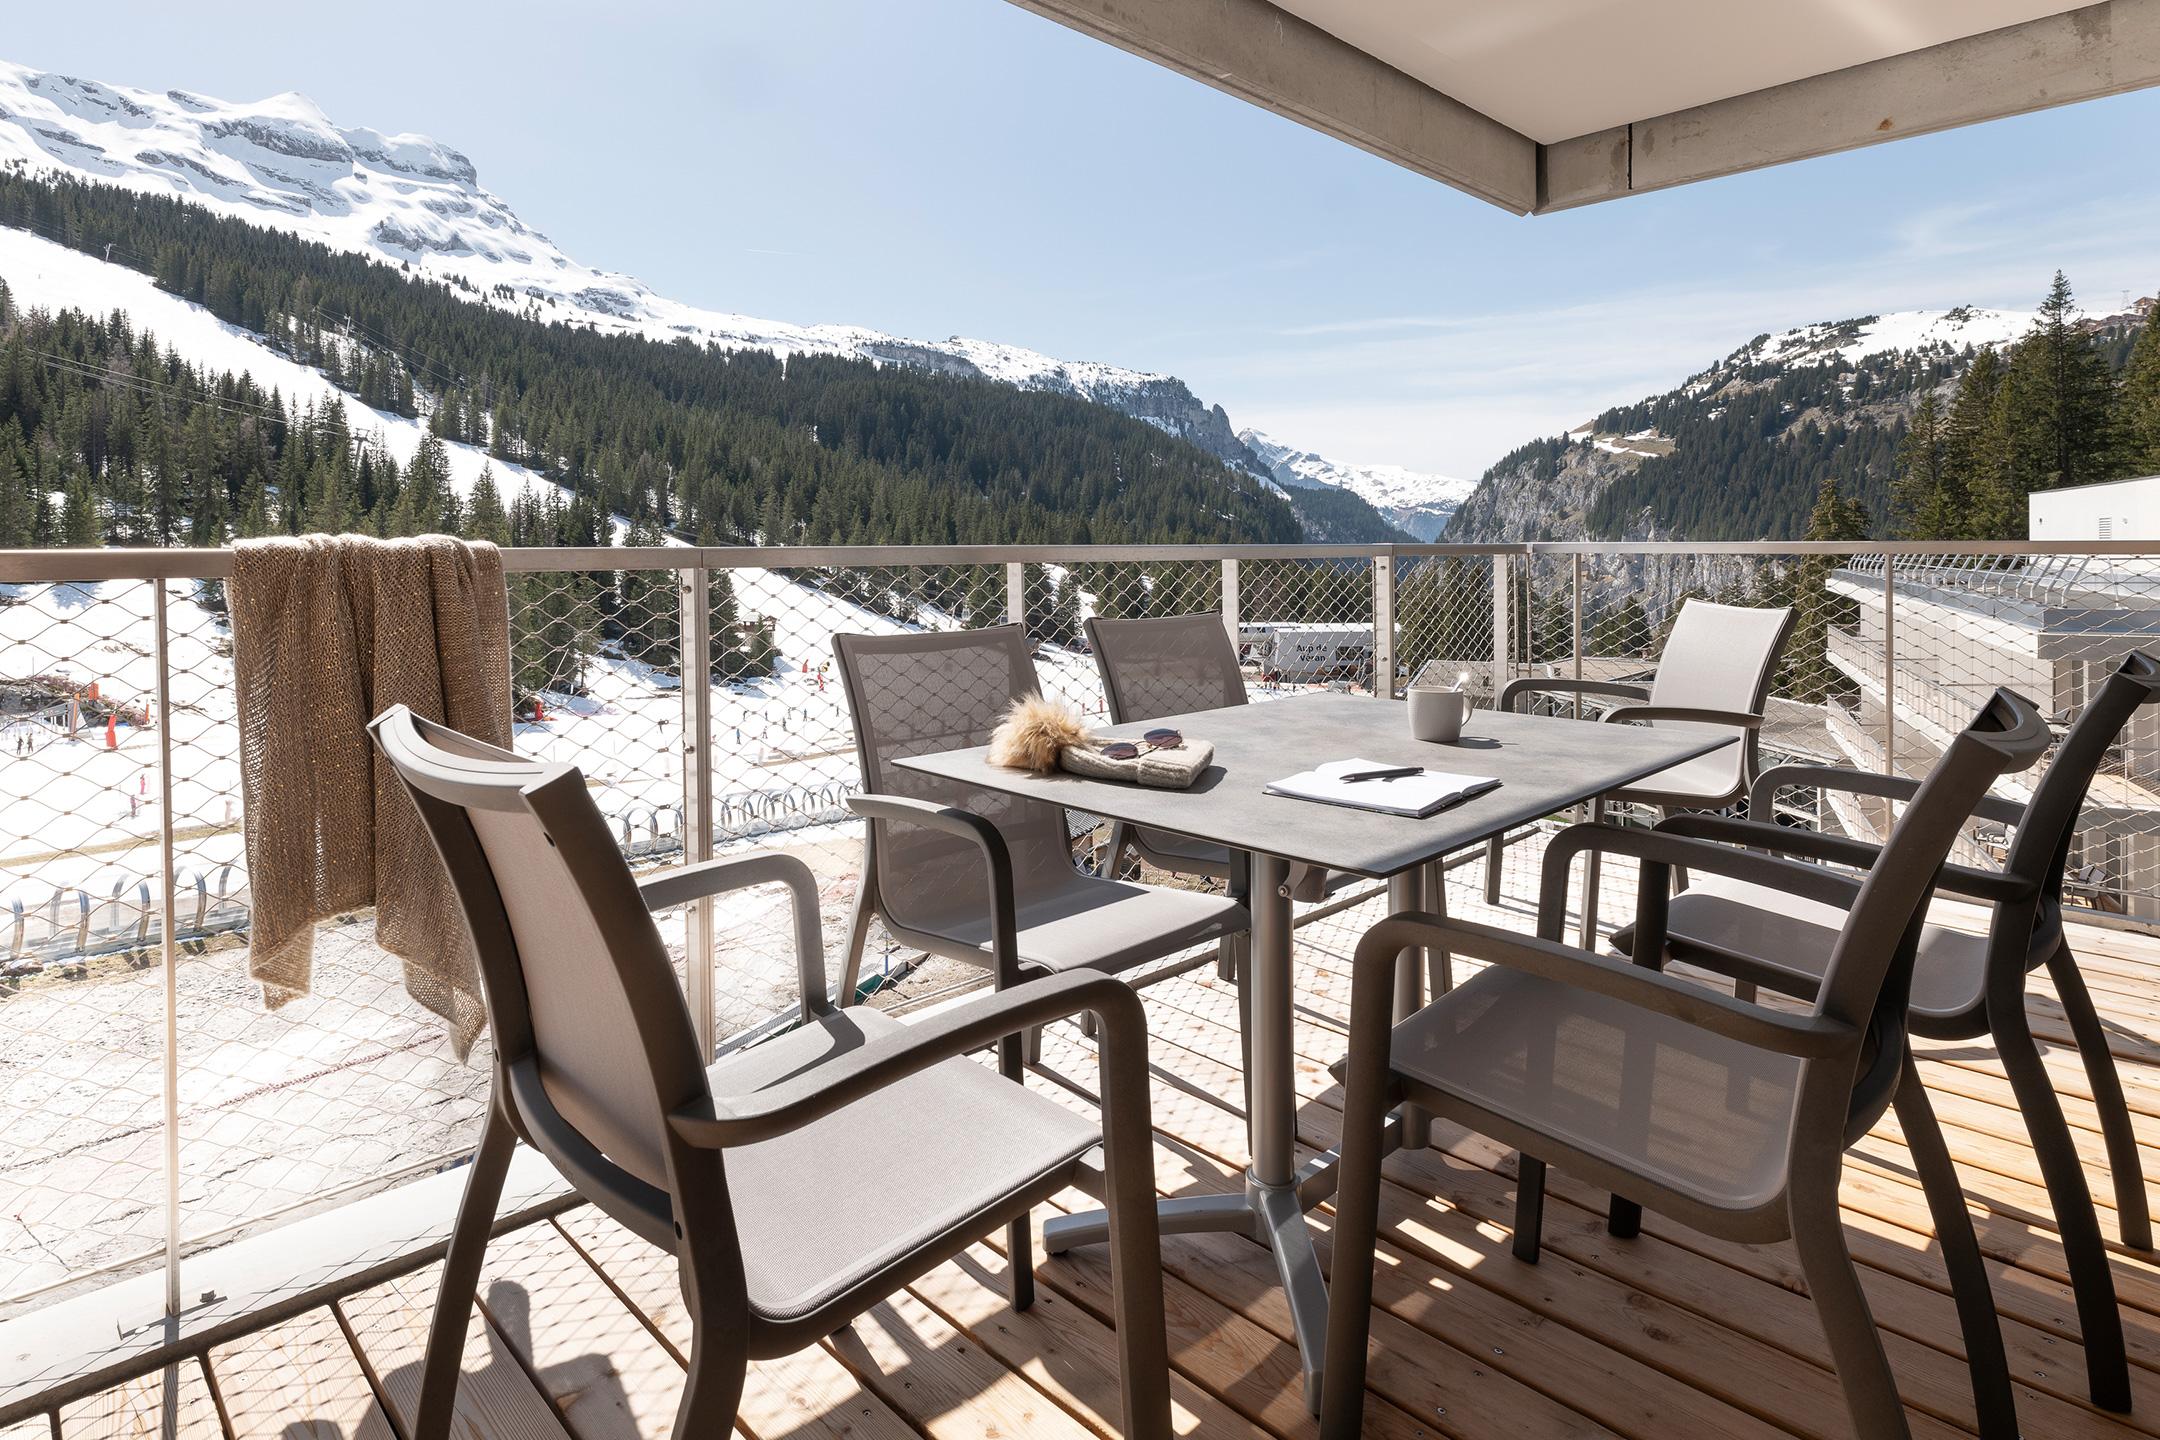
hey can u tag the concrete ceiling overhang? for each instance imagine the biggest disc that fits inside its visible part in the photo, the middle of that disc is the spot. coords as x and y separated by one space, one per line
1542 105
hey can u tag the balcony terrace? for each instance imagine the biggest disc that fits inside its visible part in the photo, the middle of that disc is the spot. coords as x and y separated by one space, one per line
224 1219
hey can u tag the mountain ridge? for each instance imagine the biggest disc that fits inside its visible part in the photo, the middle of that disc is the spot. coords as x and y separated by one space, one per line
416 202
1737 450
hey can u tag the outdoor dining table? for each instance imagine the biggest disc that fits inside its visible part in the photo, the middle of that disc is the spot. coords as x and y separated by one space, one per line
1544 764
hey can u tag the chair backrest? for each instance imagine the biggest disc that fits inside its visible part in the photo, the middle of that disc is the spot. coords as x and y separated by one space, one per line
1169 665
1869 977
1721 657
2040 849
914 694
592 1035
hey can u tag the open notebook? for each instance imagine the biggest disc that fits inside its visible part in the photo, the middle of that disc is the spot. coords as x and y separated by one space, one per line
1425 793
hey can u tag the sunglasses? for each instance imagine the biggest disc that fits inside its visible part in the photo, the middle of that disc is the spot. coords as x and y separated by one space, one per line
1153 740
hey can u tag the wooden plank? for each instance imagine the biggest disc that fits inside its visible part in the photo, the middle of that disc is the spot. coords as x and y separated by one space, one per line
495 1399
1414 1377
2013 1218
805 1395
609 1377
1932 1378
170 1404
297 1381
1528 1336
942 1381
1065 1351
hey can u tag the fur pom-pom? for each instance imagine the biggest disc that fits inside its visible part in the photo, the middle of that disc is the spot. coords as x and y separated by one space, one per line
1032 733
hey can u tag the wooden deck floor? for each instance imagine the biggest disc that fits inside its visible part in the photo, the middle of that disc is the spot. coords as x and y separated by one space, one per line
580 1332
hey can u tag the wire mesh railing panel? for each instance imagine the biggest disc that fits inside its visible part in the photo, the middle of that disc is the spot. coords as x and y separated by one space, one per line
783 751
82 1173
2051 628
1307 625
1444 613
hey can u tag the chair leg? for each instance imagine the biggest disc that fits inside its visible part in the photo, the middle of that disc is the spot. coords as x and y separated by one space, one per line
1031 1046
1993 1400
1439 961
1623 1218
1087 1024
2077 1223
1592 870
858 937
2132 1217
461 1277
1020 1266
1226 959
1495 852
712 1395
1529 1207
1856 1352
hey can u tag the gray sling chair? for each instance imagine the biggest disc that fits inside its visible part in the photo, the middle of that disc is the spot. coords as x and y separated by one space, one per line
1173 665
797 1183
1965 986
912 694
1714 670
1727 1116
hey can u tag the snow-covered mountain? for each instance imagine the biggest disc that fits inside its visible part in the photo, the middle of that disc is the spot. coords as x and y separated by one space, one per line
281 162
1415 500
1723 442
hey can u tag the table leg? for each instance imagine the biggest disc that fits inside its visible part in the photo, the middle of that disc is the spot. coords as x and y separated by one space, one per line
1405 893
1277 1195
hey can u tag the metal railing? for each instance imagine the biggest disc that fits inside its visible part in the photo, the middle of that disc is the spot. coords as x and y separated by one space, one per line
156 1108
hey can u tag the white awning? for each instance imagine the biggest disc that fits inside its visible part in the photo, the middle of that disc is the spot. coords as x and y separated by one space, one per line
1539 105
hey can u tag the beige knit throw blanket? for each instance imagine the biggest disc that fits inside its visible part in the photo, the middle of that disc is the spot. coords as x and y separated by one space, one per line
329 631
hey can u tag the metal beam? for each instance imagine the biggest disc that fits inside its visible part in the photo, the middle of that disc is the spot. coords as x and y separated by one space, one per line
1251 49
2082 54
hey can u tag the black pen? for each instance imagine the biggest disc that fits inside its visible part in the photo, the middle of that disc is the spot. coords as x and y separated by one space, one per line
1396 774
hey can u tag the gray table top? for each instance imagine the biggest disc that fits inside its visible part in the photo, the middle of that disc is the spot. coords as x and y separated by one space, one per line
1543 764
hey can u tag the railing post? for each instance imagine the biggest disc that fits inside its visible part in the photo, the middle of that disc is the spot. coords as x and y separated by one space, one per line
1575 568
1889 663
695 657
168 952
1502 619
1383 623
1015 593
1230 601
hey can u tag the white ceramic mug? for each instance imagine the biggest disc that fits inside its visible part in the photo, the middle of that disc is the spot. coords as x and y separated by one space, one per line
1438 715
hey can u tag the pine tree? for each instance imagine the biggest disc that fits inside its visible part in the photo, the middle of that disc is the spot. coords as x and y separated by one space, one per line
485 519
2060 414
2140 404
79 516
1927 500
1808 674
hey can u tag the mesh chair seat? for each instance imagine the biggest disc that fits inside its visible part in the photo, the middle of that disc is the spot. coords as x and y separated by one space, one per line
1080 922
1785 934
823 1209
1707 780
1704 1116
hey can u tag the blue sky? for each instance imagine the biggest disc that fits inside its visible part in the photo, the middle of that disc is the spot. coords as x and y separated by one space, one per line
938 167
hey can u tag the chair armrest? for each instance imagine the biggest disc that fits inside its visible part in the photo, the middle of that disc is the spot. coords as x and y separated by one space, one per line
1642 714
716 877
1663 848
1808 1036
1966 880
1004 926
1997 808
797 1101
1532 685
